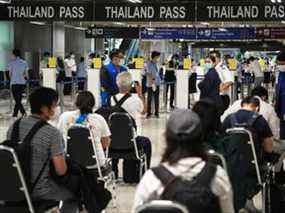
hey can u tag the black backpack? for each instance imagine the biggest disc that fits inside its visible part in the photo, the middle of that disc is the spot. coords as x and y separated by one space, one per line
107 111
196 194
238 156
24 151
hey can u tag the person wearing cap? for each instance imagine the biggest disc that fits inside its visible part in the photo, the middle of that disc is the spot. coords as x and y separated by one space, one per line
184 156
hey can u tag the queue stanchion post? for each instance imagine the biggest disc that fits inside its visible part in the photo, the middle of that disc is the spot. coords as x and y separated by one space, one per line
182 85
93 85
49 78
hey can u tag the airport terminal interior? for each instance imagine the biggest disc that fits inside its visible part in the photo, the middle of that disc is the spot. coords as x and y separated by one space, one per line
142 106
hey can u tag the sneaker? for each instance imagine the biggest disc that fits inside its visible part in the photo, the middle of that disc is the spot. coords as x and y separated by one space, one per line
148 116
157 115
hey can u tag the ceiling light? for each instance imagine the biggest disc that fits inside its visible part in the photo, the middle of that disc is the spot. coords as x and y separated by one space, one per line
5 1
204 23
80 28
37 23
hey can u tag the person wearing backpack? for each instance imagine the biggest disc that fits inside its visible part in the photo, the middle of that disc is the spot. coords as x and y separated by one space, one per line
132 104
85 103
185 175
44 147
239 162
250 110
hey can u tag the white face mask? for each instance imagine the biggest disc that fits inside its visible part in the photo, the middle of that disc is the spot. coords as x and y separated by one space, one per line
281 68
73 56
122 62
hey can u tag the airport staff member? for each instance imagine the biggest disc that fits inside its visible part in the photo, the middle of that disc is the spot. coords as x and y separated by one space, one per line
153 82
226 76
108 75
18 69
280 93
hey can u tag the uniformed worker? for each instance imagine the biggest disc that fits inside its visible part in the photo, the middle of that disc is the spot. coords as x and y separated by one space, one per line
226 76
18 71
108 75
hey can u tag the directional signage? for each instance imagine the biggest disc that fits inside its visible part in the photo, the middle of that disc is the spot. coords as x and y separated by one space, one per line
270 33
168 33
145 12
112 32
225 33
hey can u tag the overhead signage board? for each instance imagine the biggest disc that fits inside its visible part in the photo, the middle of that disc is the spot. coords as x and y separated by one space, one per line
47 11
145 12
112 32
240 11
225 33
270 33
168 33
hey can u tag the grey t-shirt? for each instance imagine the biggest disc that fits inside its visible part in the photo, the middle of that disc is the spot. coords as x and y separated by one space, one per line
47 143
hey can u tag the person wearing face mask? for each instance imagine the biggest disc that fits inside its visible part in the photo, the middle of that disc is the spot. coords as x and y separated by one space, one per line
226 76
210 86
108 75
153 83
280 93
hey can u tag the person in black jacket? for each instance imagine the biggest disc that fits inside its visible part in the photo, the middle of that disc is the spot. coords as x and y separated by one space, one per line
210 86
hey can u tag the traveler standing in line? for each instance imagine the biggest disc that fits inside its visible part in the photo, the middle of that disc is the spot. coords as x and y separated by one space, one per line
153 83
44 63
108 75
18 71
170 80
81 74
255 68
280 93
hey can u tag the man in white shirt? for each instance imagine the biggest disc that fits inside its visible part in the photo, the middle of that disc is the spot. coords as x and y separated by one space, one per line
266 110
134 106
226 76
255 68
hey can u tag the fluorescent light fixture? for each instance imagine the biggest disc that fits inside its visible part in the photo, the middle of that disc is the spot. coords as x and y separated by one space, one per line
282 22
119 23
5 1
37 23
80 28
205 23
135 1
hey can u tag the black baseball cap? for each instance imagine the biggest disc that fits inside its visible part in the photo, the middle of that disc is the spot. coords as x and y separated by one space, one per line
184 123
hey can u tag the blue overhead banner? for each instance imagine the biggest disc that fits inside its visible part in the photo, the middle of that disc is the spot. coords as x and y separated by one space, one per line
225 33
168 33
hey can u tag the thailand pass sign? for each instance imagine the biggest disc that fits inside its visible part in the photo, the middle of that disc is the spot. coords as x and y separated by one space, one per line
240 11
53 11
145 12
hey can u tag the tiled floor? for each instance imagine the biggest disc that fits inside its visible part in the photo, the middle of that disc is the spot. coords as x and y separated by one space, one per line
152 128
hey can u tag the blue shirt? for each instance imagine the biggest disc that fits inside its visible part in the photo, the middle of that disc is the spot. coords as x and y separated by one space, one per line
152 73
18 69
281 95
81 70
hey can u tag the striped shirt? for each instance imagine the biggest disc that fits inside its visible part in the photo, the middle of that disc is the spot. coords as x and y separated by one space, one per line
47 143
